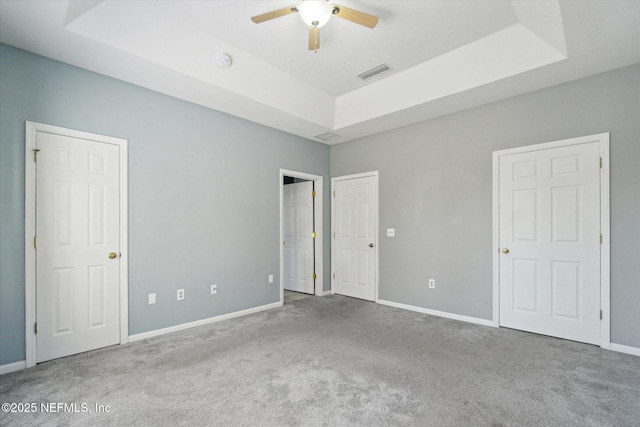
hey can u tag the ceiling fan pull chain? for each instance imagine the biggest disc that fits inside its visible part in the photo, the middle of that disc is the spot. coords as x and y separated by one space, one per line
315 37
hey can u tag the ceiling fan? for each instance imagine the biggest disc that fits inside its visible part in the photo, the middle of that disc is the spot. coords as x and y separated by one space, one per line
315 14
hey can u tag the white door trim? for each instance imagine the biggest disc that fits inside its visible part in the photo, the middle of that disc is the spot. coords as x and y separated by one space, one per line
319 261
605 301
31 130
333 219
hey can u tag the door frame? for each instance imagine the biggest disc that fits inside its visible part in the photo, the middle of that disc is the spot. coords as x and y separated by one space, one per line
605 299
375 175
31 130
318 217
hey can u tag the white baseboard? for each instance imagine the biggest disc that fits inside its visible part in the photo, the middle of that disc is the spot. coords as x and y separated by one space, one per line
12 367
325 293
444 314
614 347
155 333
625 349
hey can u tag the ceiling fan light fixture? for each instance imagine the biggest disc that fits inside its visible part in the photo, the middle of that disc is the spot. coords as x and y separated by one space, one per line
315 13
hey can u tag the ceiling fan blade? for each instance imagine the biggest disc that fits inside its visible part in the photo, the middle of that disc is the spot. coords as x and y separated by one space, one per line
356 16
273 14
314 39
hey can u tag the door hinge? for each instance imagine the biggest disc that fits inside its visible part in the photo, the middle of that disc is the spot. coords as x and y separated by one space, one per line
35 328
314 276
35 242
313 193
35 154
334 234
600 162
600 314
334 193
313 235
600 238
334 275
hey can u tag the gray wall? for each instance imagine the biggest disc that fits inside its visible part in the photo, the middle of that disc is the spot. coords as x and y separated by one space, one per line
203 193
435 189
191 225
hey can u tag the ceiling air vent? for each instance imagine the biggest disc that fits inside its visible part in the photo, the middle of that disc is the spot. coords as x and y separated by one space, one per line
327 136
377 70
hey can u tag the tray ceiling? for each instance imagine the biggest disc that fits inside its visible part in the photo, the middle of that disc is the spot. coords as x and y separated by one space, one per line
444 56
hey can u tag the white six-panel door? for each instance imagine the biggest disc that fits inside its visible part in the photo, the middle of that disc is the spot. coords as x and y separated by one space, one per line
77 226
355 224
298 239
549 226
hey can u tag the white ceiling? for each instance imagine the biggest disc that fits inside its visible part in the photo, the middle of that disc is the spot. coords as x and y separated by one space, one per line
445 55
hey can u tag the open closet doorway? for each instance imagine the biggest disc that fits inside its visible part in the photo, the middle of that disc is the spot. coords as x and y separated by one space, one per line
300 235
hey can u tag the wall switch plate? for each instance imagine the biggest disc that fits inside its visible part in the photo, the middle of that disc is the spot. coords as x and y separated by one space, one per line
214 289
180 295
271 278
152 298
391 232
432 283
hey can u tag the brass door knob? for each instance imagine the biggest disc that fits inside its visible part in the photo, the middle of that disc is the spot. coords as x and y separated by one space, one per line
505 250
112 255
370 245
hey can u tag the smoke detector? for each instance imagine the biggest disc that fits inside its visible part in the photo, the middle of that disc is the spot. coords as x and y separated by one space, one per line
223 60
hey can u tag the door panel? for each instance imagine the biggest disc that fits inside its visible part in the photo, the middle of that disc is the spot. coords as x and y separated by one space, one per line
525 285
565 211
97 296
298 240
550 223
565 284
524 203
63 293
78 224
355 237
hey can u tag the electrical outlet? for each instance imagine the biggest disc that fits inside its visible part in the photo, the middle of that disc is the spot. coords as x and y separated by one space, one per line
214 289
180 295
391 232
432 283
271 278
152 298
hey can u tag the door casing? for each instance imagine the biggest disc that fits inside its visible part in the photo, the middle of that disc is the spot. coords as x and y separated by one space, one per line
373 174
31 131
300 283
605 300
319 261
